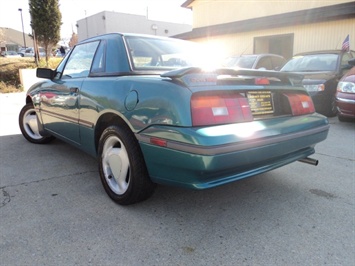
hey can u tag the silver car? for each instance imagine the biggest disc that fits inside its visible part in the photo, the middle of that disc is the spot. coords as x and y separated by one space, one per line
255 61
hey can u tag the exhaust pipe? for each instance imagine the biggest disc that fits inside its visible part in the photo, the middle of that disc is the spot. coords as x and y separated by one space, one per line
309 161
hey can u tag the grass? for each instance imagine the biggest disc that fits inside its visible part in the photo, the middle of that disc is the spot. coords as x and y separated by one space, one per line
9 71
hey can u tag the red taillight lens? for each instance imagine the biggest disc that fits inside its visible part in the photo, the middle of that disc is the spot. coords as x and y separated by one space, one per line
219 109
300 103
262 81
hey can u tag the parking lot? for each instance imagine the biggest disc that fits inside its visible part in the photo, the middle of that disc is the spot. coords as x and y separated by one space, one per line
54 211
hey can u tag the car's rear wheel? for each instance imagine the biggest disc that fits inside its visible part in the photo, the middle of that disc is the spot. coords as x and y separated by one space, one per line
29 125
122 168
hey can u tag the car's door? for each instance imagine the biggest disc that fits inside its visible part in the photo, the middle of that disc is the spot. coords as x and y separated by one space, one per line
29 52
59 102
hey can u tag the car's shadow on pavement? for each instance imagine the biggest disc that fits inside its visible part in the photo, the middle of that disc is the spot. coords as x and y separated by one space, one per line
23 163
54 194
71 170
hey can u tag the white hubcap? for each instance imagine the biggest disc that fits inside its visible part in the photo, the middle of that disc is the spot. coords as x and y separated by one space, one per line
115 164
30 124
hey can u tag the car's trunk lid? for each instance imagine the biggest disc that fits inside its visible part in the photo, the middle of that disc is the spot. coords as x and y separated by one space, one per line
226 96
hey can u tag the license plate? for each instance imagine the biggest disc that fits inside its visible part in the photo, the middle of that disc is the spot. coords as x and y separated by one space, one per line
260 102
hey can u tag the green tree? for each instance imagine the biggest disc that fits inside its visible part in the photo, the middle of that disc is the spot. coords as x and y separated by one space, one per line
46 21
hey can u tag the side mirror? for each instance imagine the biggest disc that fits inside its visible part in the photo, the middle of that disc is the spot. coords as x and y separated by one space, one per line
45 73
352 62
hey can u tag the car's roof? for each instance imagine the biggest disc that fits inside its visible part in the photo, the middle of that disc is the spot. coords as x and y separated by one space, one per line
259 55
115 34
323 52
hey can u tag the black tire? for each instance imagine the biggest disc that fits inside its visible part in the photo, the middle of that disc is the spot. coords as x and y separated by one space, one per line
332 107
345 118
29 126
122 169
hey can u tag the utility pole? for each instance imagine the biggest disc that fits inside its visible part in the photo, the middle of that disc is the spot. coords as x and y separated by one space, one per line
23 31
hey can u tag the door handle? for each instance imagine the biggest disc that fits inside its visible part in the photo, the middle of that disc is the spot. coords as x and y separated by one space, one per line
74 90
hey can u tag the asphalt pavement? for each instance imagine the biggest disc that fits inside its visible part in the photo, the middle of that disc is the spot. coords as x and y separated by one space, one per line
54 211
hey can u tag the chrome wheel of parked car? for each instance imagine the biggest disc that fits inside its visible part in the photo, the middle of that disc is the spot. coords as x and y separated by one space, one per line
29 125
122 169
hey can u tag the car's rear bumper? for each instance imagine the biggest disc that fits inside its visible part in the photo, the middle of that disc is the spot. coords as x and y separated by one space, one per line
346 104
204 161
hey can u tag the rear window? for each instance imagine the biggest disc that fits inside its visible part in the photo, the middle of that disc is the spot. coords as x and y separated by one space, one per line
159 54
312 63
240 61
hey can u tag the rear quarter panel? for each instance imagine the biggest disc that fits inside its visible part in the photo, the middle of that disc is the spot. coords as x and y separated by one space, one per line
139 101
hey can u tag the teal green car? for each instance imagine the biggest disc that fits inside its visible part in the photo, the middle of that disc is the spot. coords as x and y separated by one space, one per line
146 108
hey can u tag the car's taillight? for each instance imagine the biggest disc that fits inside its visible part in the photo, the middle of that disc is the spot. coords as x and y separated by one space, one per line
300 103
219 109
262 81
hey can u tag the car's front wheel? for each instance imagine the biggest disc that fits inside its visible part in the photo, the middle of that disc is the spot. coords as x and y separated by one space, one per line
29 125
122 168
332 107
345 118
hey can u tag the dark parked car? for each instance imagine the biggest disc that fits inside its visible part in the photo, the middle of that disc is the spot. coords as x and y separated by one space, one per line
322 71
21 52
256 61
29 52
10 54
345 96
151 114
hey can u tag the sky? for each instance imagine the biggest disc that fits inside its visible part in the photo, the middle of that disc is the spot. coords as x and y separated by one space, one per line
74 10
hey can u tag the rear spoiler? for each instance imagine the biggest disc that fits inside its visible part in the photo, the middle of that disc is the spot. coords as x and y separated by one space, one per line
200 74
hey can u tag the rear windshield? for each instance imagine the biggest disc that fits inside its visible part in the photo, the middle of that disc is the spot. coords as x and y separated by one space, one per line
312 63
240 61
160 54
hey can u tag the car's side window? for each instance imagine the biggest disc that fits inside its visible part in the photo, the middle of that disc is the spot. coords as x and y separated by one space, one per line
80 60
264 62
277 63
345 59
98 66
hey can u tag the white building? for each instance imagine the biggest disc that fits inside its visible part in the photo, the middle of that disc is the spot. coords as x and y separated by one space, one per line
108 21
281 27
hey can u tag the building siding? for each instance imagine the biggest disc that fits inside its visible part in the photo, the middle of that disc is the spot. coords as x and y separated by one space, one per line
108 21
207 13
319 36
11 39
295 27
